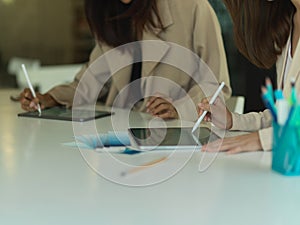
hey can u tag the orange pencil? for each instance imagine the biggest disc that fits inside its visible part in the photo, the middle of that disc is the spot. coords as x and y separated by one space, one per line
144 166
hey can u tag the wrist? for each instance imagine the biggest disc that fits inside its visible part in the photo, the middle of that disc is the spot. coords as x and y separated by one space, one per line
229 120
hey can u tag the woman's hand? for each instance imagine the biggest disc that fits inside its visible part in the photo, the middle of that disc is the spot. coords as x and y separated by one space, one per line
29 103
242 143
161 107
217 113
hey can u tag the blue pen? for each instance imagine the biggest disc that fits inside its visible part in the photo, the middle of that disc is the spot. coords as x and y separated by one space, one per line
293 98
278 94
269 103
270 88
293 117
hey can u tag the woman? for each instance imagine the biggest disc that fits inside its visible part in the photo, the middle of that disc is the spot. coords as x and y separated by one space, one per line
191 24
265 39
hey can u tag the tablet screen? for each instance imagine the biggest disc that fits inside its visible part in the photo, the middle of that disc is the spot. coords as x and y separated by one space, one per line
62 113
170 137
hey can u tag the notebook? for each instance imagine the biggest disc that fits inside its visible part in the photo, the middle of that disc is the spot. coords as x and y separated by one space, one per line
62 113
170 138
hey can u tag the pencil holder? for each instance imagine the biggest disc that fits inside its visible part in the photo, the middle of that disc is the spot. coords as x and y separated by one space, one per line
286 149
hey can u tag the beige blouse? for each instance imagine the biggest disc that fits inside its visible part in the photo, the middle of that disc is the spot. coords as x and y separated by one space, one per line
191 24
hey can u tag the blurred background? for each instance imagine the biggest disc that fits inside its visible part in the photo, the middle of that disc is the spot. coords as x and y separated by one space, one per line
53 33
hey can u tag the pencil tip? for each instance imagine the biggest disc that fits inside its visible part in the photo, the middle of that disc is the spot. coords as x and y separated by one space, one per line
293 81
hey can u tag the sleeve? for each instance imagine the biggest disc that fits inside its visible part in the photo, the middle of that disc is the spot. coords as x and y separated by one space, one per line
254 121
251 121
208 44
64 94
265 137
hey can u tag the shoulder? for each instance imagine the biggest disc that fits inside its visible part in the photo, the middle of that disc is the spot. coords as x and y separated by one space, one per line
188 4
186 8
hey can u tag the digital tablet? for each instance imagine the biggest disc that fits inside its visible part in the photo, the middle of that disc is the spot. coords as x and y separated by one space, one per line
62 113
170 137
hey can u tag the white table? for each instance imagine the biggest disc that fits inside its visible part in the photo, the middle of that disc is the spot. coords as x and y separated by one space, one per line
44 182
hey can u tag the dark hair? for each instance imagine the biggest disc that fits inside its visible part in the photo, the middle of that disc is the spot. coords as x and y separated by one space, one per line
261 28
116 23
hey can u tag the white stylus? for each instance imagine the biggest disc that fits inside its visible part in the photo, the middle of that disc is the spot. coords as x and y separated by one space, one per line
212 100
31 88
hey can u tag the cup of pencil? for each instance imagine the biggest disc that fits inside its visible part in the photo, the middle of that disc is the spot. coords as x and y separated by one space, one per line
286 130
286 149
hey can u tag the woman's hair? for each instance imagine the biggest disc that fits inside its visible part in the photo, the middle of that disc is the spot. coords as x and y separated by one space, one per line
261 28
116 23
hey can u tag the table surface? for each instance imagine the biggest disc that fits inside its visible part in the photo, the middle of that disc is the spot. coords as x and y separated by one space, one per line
44 182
